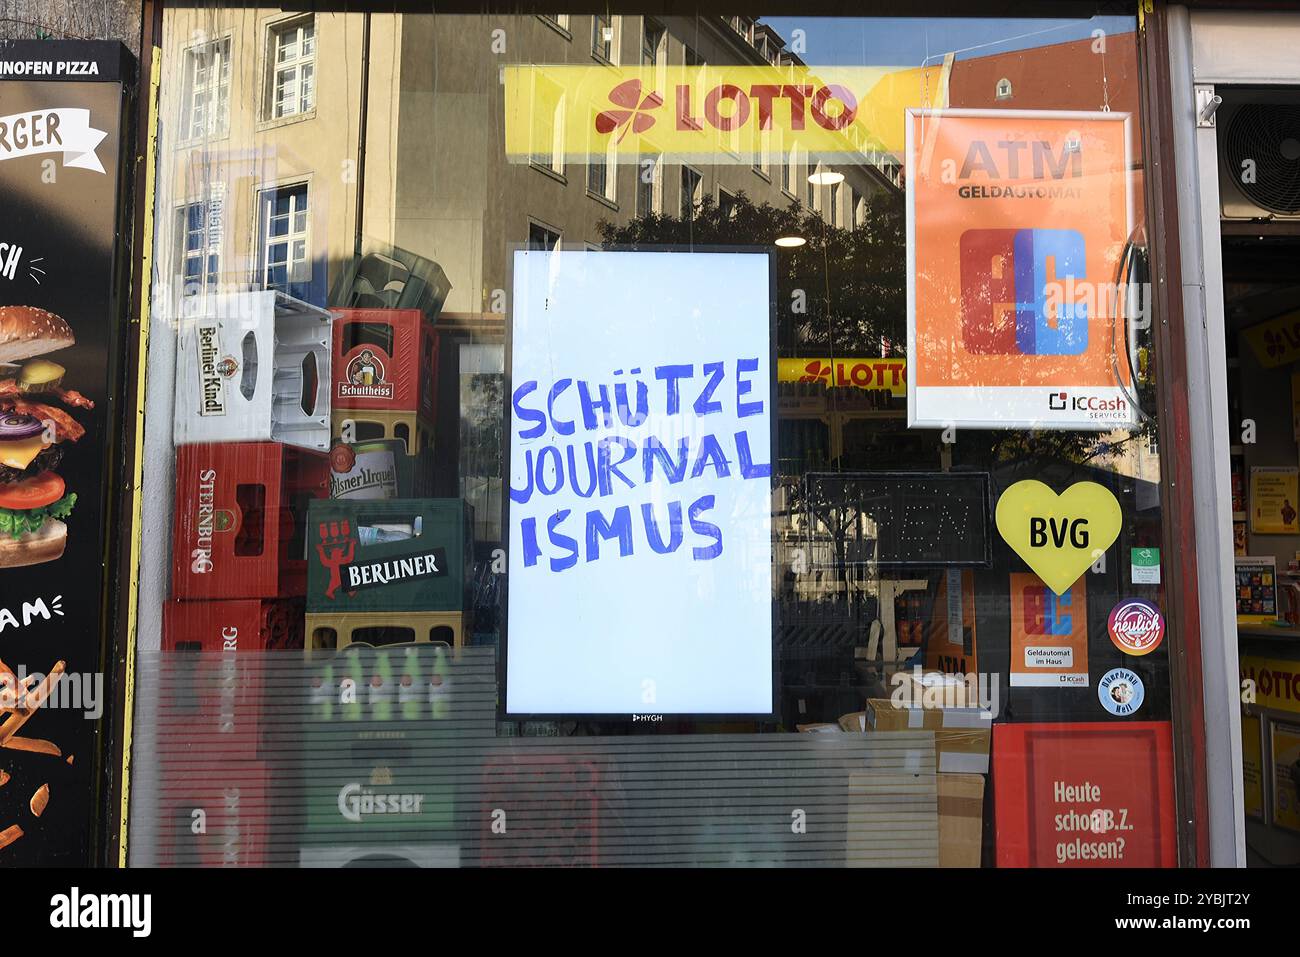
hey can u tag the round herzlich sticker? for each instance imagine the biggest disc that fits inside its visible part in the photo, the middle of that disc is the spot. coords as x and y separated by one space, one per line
1120 692
1136 626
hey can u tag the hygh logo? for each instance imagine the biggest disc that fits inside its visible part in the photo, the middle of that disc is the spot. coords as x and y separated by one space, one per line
1006 280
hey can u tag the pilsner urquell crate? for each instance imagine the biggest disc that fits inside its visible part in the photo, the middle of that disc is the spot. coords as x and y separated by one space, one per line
392 555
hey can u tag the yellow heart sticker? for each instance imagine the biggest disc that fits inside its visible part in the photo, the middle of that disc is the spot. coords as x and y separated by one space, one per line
1059 536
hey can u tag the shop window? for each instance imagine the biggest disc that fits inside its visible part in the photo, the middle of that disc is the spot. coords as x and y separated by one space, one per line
206 103
284 257
858 544
291 58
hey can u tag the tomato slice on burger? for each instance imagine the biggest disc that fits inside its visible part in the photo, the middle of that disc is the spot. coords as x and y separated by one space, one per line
45 489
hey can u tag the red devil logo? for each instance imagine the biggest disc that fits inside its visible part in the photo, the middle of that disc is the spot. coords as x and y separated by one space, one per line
335 548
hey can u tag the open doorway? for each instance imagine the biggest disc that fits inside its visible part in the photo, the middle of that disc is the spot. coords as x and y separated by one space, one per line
1259 176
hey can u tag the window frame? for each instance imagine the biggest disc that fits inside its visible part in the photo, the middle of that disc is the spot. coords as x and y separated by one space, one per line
189 55
263 194
273 30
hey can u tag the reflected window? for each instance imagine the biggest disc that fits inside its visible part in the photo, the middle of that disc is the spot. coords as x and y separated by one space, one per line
199 255
284 261
692 191
604 38
206 104
650 186
292 56
543 237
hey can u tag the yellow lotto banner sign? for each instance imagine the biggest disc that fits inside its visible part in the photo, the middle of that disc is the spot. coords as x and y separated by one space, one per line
1276 682
713 114
865 373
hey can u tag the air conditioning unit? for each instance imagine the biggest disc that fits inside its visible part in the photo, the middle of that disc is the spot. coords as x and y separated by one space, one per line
1259 153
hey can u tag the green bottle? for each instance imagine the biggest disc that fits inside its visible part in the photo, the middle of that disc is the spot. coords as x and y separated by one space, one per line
323 690
440 683
350 686
381 693
408 687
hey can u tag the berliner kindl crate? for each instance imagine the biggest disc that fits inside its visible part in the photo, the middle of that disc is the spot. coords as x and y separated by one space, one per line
253 366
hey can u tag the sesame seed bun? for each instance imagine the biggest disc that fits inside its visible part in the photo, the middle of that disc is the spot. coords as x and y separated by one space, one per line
26 331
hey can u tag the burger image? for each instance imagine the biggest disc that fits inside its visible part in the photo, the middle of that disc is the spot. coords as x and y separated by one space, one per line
35 426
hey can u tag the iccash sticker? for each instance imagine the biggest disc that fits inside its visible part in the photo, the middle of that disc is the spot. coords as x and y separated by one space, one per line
1120 692
1136 626
1059 536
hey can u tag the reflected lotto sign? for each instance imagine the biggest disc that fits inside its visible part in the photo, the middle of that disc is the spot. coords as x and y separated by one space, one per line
1084 795
640 472
1017 228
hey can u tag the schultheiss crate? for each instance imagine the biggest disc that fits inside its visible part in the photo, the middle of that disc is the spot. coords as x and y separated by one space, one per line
253 366
240 525
395 555
385 360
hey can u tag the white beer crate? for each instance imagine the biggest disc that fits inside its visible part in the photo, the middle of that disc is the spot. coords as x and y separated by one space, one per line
253 366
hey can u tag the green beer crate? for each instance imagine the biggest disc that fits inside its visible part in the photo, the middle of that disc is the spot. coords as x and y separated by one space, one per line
410 554
378 780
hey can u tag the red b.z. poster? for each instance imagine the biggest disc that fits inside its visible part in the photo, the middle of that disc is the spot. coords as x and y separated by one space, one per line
1084 795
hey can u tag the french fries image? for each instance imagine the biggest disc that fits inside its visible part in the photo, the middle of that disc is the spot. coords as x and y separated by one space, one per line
20 699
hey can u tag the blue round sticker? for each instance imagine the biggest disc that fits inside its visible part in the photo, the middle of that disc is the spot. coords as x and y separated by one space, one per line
1120 691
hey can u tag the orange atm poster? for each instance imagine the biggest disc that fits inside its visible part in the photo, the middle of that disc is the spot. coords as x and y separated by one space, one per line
1084 795
1049 634
1018 227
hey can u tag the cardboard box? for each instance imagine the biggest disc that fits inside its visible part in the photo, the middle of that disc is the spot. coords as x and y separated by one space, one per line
961 819
936 689
239 529
385 360
253 367
390 555
962 736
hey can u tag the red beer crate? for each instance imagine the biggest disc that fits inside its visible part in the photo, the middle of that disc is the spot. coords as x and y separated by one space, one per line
216 815
385 360
240 525
225 676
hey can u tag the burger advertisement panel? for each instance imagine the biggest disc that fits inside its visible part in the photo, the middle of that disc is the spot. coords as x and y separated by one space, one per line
62 320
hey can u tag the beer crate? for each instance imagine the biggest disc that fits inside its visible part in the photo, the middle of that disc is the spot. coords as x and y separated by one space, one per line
410 682
239 529
388 556
331 631
370 425
253 366
231 800
227 674
385 360
389 781
556 816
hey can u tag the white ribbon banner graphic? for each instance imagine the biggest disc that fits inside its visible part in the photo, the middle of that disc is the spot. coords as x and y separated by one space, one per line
67 131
